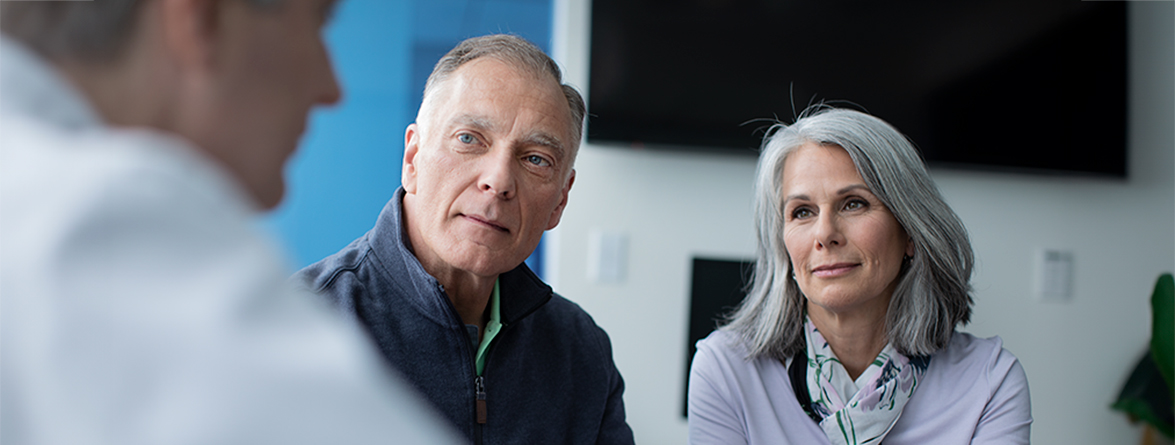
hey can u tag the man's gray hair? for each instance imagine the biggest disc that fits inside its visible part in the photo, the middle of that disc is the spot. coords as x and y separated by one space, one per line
90 31
933 294
517 52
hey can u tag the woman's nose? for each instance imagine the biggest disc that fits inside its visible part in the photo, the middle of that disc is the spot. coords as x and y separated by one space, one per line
828 231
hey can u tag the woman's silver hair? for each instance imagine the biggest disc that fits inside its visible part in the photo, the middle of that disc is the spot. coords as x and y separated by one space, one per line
932 296
90 31
519 53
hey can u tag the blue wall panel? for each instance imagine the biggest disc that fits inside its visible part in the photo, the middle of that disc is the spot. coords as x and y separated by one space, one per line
349 163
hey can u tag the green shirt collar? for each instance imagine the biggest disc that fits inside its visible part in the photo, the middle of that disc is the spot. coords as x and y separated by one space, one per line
493 326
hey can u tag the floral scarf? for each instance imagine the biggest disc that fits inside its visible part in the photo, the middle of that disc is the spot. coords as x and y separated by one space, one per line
875 399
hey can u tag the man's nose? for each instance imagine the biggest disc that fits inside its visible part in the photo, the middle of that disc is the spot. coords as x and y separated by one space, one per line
331 92
498 175
327 83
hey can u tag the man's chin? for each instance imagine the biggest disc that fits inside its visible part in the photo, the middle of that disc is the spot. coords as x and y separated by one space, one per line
268 198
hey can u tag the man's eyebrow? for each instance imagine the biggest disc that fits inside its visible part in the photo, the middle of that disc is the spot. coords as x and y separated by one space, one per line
539 138
546 140
477 122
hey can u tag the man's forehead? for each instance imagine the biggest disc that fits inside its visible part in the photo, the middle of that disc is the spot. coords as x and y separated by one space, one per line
461 95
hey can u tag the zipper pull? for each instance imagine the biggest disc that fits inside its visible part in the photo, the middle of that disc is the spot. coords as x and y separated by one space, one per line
479 382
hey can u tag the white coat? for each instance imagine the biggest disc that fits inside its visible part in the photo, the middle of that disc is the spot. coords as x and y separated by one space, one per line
139 304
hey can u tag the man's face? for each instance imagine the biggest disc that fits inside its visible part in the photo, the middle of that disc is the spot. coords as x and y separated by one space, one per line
487 168
270 68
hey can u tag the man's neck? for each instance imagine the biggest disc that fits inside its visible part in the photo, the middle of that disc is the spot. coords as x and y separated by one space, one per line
470 294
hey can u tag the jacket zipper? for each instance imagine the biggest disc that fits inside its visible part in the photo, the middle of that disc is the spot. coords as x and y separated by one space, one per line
478 381
479 384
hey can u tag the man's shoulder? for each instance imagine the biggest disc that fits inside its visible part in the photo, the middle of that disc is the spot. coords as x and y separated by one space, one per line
567 311
132 168
565 318
323 275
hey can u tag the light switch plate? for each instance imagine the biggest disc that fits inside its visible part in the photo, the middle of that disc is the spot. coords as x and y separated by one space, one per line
1054 275
607 256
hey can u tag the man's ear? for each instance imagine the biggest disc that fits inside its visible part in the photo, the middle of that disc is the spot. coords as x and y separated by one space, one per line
189 31
557 214
411 148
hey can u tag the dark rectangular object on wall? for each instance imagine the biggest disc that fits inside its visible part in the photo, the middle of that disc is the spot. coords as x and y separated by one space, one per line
716 288
1033 86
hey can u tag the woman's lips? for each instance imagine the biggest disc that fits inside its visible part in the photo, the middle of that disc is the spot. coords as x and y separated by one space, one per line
834 270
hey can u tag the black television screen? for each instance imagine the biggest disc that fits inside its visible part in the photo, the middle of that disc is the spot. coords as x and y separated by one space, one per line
1025 85
717 286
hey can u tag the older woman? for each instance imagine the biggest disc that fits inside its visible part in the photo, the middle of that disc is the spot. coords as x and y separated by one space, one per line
848 333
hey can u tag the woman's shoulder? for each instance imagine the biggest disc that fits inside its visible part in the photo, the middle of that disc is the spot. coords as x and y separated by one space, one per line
723 353
965 347
974 391
723 343
971 357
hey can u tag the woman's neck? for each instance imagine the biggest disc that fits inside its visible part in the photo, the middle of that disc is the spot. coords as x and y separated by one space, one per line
856 338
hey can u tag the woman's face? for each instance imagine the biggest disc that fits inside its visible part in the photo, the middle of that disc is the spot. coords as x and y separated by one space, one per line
845 246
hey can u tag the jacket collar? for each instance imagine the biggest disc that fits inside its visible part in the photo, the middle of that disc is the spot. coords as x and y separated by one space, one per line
522 292
30 87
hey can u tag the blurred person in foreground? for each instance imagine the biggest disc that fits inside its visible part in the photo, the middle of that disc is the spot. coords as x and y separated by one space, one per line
138 141
439 283
847 335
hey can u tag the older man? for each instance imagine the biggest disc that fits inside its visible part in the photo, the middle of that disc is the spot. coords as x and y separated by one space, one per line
440 283
137 140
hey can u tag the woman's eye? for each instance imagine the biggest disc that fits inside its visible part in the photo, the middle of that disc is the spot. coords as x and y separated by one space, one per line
466 138
801 213
537 160
855 204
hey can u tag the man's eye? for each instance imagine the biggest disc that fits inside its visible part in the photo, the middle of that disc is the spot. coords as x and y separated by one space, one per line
537 160
466 138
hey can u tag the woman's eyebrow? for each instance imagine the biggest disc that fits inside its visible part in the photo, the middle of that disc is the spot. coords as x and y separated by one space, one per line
846 189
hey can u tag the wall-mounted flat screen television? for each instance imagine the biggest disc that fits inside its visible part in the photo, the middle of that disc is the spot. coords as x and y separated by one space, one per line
1022 85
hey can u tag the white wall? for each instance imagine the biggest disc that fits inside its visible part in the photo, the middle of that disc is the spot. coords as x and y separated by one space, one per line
674 206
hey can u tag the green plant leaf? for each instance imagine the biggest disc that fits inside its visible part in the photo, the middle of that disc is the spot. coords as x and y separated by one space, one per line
1163 328
1145 397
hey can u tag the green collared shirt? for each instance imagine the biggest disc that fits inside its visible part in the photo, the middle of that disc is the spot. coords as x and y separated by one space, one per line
493 326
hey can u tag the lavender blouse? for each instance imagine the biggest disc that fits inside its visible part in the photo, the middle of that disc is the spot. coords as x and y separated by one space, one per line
974 392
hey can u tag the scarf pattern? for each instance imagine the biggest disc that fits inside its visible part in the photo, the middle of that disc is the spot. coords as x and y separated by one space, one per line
872 408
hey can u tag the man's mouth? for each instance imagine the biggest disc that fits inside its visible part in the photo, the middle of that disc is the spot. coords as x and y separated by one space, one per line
486 222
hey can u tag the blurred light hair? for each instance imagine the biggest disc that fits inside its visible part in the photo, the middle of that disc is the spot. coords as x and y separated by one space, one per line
90 31
932 296
519 54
